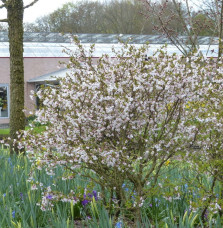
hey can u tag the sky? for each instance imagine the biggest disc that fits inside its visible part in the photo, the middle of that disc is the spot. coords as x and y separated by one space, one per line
41 8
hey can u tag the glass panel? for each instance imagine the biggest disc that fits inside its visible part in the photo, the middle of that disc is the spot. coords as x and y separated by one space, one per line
4 101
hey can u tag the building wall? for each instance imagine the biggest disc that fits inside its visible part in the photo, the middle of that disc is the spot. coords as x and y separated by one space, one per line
33 67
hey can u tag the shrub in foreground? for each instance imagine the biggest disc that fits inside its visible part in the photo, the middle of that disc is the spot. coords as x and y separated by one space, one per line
120 122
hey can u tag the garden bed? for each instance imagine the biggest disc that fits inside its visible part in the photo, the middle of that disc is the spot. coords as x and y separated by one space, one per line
19 203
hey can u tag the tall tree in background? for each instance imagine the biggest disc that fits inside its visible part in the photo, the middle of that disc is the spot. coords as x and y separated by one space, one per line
15 9
167 13
80 17
124 17
208 24
115 16
192 22
214 11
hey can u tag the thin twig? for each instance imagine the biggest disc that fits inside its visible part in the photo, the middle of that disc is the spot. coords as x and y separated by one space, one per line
3 6
31 4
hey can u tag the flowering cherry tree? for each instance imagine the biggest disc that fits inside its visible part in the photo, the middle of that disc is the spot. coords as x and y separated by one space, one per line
118 122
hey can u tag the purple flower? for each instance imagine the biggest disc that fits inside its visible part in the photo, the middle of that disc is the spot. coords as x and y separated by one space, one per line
90 195
150 205
206 214
85 202
94 193
21 195
50 197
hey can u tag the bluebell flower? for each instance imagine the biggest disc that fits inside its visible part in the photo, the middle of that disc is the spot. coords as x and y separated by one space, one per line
186 187
126 189
195 195
157 202
118 225
13 214
4 195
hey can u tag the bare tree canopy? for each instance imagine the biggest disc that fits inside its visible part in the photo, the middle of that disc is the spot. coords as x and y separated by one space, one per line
213 9
94 17
207 20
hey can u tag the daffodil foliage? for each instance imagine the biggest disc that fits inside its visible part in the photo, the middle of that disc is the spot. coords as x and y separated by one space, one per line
124 118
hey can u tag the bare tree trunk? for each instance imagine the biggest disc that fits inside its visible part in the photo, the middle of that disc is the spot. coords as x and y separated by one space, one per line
15 22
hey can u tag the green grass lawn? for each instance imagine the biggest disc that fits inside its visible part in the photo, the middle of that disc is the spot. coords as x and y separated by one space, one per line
4 131
38 129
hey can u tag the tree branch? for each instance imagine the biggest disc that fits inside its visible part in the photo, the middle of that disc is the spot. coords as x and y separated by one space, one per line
31 4
3 20
220 36
3 6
